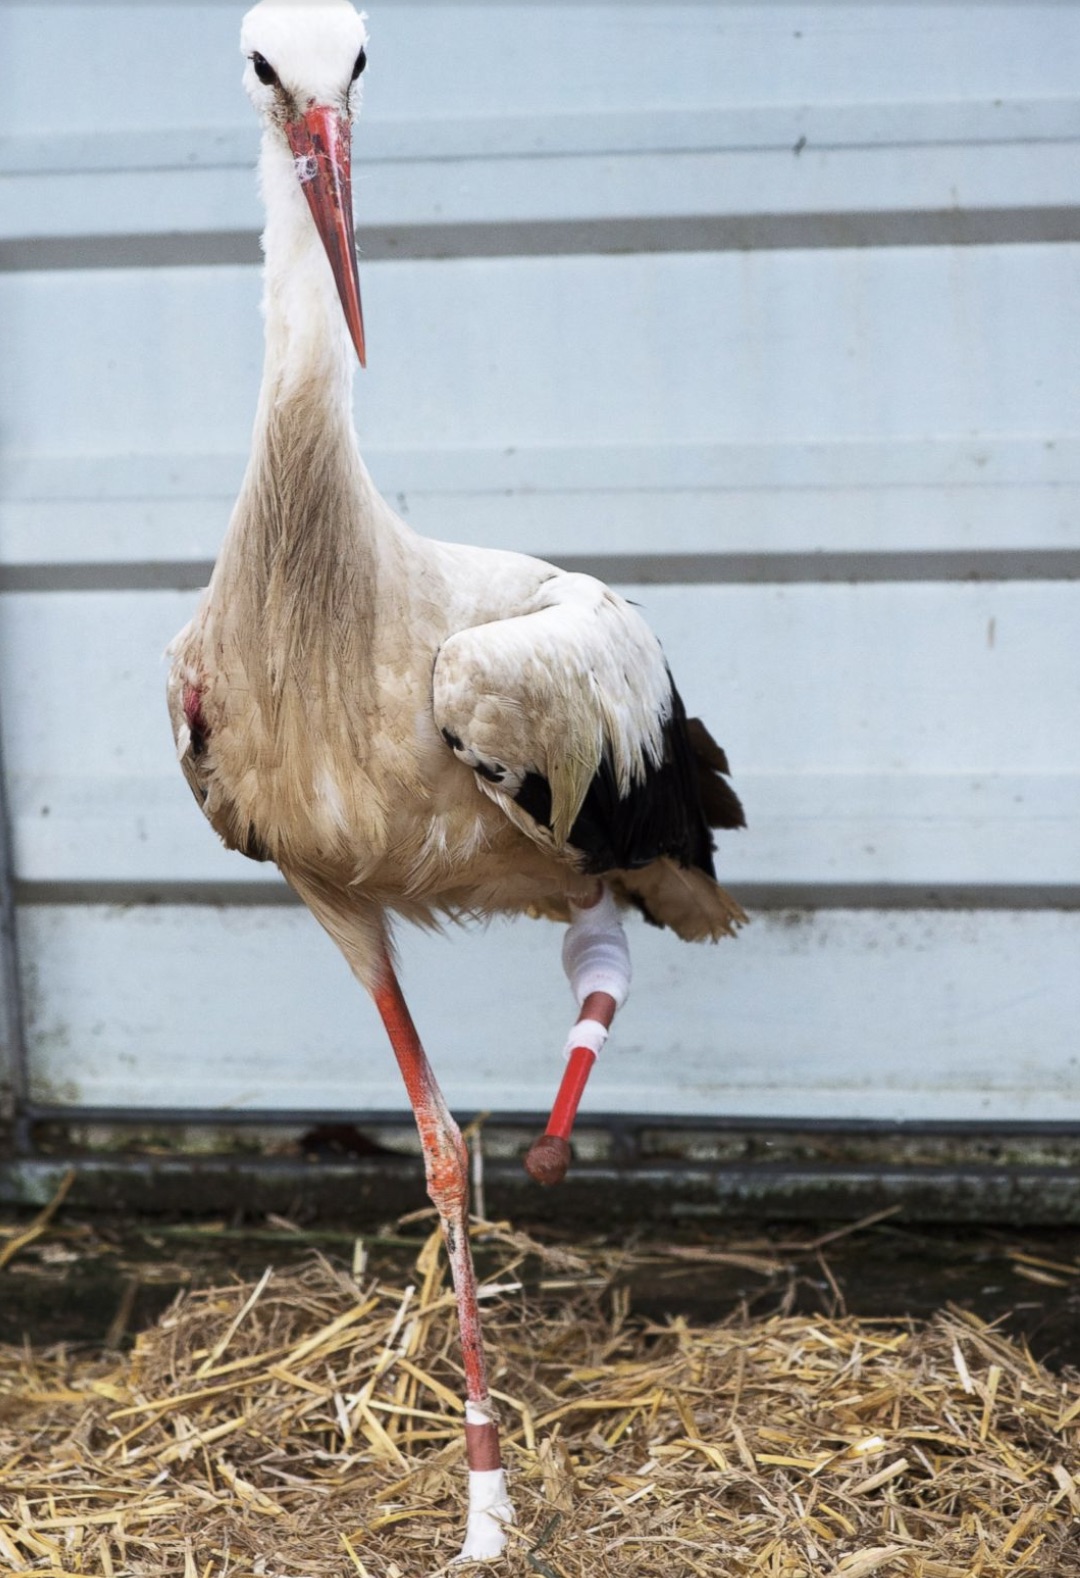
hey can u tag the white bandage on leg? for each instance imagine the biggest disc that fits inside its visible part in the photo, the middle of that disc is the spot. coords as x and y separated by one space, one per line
489 1503
586 1033
595 954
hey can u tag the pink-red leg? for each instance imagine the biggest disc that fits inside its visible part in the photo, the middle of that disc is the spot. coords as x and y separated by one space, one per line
549 1156
446 1168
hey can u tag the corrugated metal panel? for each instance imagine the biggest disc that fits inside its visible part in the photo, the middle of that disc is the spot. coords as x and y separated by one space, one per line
766 313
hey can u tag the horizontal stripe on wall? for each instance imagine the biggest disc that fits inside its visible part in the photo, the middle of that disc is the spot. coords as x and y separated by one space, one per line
579 237
658 570
755 897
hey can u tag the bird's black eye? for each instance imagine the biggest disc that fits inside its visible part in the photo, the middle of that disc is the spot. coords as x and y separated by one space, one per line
264 70
361 62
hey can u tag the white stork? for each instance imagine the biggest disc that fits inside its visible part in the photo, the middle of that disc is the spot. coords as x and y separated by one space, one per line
413 728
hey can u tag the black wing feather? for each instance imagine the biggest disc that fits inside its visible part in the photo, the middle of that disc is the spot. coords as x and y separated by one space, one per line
667 813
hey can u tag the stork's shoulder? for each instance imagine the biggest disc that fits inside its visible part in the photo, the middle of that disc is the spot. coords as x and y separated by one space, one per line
484 584
575 619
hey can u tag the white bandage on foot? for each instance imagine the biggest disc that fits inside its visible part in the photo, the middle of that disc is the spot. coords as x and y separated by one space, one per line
595 954
489 1503
489 1513
586 1033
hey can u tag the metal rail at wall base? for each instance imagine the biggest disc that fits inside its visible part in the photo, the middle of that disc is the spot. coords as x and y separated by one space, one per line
360 1167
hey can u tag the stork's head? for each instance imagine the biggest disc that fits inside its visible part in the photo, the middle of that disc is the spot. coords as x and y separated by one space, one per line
304 60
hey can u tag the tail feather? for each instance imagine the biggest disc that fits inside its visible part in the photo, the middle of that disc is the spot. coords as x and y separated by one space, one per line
720 803
692 904
684 894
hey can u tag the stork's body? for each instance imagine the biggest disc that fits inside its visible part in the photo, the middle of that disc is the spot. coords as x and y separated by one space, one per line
407 726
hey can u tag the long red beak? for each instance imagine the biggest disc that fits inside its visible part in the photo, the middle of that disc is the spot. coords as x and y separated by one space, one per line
321 142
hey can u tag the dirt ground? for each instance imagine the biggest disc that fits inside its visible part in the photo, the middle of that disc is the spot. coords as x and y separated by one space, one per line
846 1400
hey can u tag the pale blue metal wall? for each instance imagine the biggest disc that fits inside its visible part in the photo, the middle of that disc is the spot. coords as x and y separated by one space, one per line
770 314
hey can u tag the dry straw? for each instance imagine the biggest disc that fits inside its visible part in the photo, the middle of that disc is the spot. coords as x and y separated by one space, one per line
309 1425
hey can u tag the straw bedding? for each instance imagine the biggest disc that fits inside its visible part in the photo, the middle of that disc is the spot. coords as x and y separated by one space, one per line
309 1424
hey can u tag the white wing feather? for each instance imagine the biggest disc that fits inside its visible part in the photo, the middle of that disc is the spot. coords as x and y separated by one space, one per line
572 674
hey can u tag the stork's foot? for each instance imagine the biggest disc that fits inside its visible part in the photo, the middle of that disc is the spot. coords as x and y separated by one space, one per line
490 1513
548 1160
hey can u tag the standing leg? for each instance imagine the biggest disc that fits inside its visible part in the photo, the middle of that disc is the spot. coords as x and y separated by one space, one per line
446 1167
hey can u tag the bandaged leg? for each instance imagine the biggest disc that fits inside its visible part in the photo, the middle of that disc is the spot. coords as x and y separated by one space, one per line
596 959
489 1504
